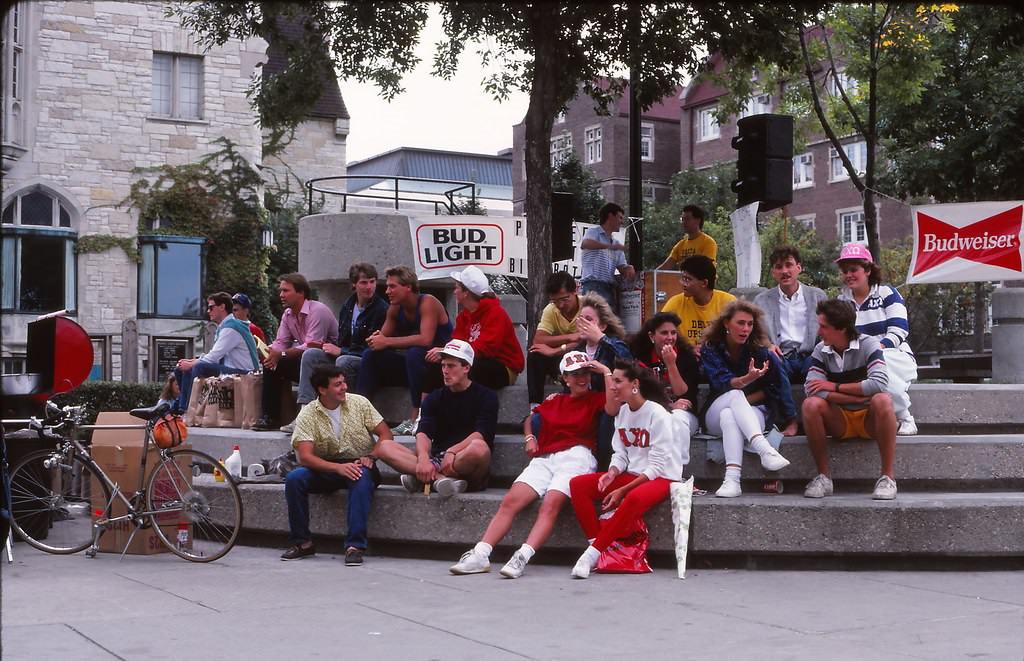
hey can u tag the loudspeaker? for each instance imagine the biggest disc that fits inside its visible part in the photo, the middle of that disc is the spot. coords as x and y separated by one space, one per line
563 210
764 168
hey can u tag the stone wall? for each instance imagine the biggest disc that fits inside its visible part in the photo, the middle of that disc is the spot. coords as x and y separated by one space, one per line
318 149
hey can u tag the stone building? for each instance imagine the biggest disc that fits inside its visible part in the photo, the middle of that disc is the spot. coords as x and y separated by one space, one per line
601 143
92 90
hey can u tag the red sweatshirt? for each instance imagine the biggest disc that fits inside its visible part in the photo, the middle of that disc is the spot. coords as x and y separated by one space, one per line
489 330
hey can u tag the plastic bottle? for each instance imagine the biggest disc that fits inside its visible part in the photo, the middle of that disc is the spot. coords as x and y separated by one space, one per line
183 542
233 464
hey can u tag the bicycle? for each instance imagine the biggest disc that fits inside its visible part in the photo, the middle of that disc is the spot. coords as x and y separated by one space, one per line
63 501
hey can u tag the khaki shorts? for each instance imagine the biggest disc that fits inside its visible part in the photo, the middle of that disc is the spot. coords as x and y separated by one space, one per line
854 424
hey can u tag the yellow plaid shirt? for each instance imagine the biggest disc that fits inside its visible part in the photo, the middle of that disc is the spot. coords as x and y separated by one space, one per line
358 420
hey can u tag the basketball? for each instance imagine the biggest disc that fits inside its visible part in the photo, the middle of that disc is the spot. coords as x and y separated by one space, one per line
169 431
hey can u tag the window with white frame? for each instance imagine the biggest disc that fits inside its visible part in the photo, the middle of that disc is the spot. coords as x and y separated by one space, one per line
857 152
592 144
707 124
840 80
646 141
177 86
852 228
803 170
805 220
39 268
13 365
561 148
171 276
14 70
757 105
649 191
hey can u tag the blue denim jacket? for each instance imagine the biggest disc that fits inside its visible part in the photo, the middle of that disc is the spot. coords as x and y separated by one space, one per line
720 370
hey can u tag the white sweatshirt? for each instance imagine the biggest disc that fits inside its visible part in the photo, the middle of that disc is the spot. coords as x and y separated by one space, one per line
643 443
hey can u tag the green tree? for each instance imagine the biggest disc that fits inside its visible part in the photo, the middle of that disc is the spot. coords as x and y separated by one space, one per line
857 63
571 176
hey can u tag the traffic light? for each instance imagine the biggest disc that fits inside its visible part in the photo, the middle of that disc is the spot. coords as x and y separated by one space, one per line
764 167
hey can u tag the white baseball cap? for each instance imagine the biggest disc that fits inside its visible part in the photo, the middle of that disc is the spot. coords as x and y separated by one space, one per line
472 279
459 349
573 361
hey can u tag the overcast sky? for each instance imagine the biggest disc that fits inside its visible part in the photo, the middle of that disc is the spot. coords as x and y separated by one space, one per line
456 114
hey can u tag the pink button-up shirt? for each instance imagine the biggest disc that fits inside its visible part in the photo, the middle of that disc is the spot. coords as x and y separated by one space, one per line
314 323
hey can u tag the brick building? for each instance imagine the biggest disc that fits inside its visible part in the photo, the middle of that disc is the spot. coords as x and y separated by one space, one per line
823 195
92 90
601 143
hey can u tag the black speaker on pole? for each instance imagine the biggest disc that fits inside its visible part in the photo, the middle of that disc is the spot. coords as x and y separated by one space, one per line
563 210
764 166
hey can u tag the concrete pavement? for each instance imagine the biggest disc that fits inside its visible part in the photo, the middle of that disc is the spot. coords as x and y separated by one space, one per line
251 605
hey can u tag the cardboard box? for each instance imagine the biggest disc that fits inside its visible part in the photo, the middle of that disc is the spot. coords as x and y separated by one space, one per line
119 453
659 286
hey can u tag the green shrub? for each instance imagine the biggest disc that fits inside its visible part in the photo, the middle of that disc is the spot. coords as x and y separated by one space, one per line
99 396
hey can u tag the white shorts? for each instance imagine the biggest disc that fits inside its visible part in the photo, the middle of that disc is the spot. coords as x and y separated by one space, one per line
553 471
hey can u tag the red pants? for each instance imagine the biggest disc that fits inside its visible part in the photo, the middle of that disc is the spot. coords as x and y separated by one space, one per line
640 499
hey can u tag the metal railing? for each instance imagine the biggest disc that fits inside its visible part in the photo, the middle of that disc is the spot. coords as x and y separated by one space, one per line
397 195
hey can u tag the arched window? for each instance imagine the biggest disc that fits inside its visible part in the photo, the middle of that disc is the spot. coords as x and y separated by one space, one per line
39 266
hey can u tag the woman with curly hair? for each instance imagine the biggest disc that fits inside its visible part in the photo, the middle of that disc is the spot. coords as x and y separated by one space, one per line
746 385
658 347
647 458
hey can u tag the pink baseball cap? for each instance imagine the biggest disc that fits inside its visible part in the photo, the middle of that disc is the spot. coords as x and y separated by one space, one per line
855 251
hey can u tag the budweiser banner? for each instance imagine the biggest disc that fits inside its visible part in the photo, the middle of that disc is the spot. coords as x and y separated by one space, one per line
495 245
971 242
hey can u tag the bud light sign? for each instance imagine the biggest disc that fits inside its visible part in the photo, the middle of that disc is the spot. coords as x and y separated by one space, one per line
493 245
972 242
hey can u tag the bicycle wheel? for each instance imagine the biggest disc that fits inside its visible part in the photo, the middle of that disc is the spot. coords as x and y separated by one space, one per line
196 517
52 499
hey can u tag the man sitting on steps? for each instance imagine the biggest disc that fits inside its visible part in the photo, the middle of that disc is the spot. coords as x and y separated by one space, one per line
846 396
455 435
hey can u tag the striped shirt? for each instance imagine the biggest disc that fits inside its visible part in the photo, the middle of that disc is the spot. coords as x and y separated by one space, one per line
862 363
882 315
599 265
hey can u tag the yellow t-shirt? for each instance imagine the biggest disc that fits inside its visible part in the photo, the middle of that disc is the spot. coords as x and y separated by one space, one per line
553 323
687 247
695 317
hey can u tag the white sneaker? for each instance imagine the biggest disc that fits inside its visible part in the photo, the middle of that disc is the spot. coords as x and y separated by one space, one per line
515 566
471 562
411 483
885 489
907 427
289 428
729 489
447 487
584 565
819 487
404 428
771 460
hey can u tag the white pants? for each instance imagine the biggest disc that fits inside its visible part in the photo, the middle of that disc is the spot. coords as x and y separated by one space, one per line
684 424
902 370
733 418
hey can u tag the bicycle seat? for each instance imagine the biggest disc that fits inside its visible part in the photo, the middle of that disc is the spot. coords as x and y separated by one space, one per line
150 412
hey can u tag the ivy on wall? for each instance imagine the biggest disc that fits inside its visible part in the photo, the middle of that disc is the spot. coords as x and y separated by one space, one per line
97 243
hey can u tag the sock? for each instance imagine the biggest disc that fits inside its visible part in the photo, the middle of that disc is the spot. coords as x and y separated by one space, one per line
527 552
760 445
483 548
732 473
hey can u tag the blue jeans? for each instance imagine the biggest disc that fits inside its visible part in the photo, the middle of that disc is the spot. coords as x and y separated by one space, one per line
605 290
302 481
797 364
311 358
200 370
390 367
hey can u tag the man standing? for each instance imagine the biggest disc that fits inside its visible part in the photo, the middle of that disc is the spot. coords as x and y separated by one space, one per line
333 440
556 334
362 314
305 324
396 354
789 313
455 433
700 303
846 397
233 350
694 241
602 256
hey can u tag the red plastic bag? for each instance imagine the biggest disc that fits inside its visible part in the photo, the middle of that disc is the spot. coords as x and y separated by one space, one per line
628 554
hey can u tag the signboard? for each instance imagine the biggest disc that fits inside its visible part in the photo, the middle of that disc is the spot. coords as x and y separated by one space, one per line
495 245
167 351
970 242
747 246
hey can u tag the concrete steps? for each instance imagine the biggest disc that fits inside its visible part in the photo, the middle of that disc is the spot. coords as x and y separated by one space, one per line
847 524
